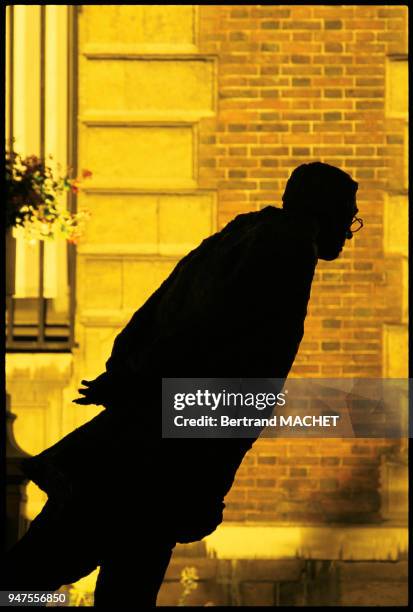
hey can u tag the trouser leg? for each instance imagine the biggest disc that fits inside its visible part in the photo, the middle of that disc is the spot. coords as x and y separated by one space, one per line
53 552
132 577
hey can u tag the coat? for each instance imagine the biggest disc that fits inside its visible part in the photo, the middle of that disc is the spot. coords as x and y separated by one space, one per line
233 307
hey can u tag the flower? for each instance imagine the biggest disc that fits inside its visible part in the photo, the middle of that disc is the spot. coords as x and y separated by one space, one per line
189 578
32 197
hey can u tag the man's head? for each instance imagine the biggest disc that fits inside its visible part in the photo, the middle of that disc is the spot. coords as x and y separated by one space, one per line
328 194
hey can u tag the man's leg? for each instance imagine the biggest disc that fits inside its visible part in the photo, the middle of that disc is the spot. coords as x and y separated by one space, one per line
133 576
53 552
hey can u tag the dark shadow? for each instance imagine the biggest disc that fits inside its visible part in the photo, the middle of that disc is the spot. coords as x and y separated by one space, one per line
233 307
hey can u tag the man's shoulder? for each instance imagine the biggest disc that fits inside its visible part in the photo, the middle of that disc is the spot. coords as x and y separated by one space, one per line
253 218
265 212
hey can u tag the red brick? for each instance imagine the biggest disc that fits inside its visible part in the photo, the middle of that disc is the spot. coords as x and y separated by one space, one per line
330 106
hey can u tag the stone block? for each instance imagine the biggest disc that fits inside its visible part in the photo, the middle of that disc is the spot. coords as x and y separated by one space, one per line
184 221
142 278
138 156
373 571
102 286
395 351
206 568
405 290
396 88
149 24
148 224
161 86
98 343
258 594
276 570
374 594
373 584
122 220
396 224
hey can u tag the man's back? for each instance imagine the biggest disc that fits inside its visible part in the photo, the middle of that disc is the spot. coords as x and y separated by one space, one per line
251 278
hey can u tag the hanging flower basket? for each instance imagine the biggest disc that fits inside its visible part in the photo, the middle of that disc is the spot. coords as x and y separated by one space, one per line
33 192
33 203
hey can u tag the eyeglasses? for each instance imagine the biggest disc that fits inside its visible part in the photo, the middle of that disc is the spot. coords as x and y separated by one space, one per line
355 226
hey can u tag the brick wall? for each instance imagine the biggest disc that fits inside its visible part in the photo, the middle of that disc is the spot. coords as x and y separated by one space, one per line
299 84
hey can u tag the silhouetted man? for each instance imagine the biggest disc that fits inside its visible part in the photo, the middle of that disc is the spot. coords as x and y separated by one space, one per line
121 496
